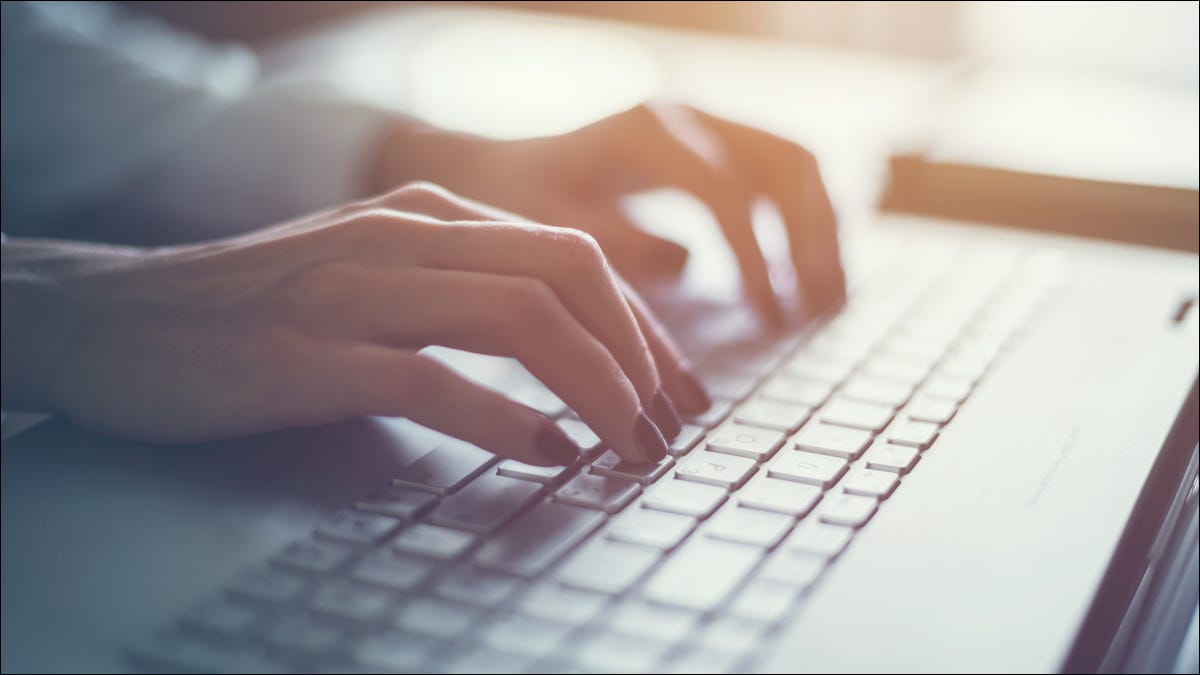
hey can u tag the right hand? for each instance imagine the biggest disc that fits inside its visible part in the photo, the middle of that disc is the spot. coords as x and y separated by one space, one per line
324 318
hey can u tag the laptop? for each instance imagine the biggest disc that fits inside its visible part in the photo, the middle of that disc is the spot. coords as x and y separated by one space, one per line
986 461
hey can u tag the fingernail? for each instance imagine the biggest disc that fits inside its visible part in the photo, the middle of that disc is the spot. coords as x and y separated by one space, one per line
554 446
664 415
695 398
649 439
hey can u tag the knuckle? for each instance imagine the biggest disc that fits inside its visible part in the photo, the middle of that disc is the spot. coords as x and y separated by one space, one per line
414 383
423 192
528 302
576 254
370 226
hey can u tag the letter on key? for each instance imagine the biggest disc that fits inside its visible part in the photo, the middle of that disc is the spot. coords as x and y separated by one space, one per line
745 441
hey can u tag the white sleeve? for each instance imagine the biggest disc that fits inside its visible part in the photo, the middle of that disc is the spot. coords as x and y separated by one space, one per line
101 107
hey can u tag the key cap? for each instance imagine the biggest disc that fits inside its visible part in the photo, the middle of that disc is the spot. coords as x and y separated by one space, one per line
902 371
561 604
397 503
304 633
478 587
651 528
810 366
348 601
797 569
710 468
580 434
819 539
874 390
354 527
438 618
535 395
486 503
701 574
268 585
702 660
847 509
433 541
871 483
799 391
779 496
598 492
313 555
525 635
744 441
688 436
607 566
383 568
183 651
807 467
887 457
746 526
688 499
537 538
611 464
481 660
764 601
856 414
727 384
716 412
222 619
446 468
934 410
392 652
616 653
827 439
546 475
653 622
943 387
768 414
918 435
734 635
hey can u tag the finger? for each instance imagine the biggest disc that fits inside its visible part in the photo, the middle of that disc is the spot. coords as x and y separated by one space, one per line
789 175
381 381
628 247
679 379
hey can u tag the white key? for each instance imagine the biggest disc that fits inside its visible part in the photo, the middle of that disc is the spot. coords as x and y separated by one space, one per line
734 635
870 483
904 371
874 390
715 414
819 538
687 438
744 441
887 457
349 601
356 527
935 410
727 384
607 566
546 475
269 585
537 538
856 414
949 388
313 555
807 467
611 464
392 652
445 468
433 541
650 528
486 503
764 600
477 587
682 497
779 496
651 621
525 635
918 435
795 568
710 468
383 568
397 503
746 526
828 439
701 574
580 433
436 617
222 619
561 604
598 492
616 653
847 509
702 660
800 391
482 660
768 414
812 366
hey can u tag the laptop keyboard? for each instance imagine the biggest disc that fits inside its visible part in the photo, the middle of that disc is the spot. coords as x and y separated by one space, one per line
468 563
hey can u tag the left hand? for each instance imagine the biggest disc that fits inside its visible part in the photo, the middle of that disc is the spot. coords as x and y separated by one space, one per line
577 180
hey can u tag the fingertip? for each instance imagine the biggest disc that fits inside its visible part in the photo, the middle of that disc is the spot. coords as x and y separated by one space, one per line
692 397
649 439
553 446
662 411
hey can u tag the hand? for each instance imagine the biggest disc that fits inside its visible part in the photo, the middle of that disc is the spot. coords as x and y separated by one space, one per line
577 179
321 319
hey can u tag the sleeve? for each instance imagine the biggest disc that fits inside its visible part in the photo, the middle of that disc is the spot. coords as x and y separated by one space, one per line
104 108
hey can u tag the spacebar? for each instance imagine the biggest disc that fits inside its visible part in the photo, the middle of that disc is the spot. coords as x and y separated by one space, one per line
534 541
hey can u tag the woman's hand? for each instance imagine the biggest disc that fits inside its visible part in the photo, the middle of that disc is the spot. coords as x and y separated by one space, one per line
323 318
576 180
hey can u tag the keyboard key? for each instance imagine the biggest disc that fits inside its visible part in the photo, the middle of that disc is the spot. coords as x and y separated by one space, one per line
313 555
933 410
433 541
303 633
438 618
537 538
764 600
688 436
445 468
525 635
537 396
887 457
355 527
820 539
746 526
477 661
222 618
397 503
598 492
607 566
779 496
796 569
733 635
392 652
768 414
716 413
702 660
799 391
580 433
269 585
874 390
871 483
856 414
616 653
701 574
561 604
486 503
478 587
847 509
745 441
810 366
807 467
827 439
948 388
727 383
345 600
918 435
546 475
685 498
906 372
611 464
383 568
651 528
710 468
188 652
653 622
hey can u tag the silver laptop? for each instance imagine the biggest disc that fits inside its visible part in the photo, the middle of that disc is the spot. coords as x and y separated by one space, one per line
986 462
